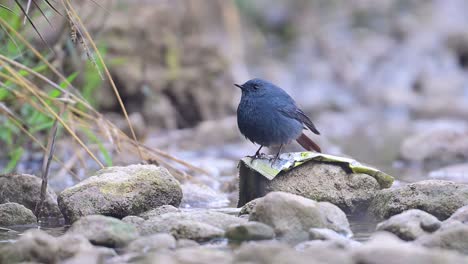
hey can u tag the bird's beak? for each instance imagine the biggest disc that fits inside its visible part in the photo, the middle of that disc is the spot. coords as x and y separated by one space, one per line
240 86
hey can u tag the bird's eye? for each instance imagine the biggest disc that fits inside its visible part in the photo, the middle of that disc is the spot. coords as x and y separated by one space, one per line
256 86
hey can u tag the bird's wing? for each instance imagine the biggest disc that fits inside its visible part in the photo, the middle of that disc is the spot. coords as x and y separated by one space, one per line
299 115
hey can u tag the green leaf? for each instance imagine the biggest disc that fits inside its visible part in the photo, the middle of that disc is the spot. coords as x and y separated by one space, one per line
70 79
4 93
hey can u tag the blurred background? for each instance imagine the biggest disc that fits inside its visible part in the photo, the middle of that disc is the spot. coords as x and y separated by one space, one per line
385 82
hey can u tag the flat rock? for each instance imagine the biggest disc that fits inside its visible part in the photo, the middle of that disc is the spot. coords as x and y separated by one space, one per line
25 189
120 191
15 214
410 224
104 230
291 216
219 220
436 197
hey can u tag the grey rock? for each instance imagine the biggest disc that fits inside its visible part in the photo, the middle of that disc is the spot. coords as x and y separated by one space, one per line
183 243
133 220
248 207
460 215
448 146
227 210
25 189
250 231
159 211
439 198
120 191
152 243
104 230
410 224
291 216
313 180
386 248
71 244
453 237
33 245
15 214
219 220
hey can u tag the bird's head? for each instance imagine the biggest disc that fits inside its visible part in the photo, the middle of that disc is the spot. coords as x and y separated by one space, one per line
255 86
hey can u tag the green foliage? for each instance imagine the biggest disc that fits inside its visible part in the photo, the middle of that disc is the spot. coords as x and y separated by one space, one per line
27 109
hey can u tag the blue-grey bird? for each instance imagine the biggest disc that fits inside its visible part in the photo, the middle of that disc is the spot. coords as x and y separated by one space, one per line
268 116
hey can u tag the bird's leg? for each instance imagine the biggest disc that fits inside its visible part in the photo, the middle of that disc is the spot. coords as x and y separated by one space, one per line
258 151
277 154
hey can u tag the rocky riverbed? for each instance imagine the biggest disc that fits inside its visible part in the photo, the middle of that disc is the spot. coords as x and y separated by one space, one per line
132 214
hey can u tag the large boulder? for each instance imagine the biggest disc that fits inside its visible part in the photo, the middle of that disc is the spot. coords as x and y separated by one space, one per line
439 198
25 189
15 214
120 191
104 230
410 224
291 216
326 182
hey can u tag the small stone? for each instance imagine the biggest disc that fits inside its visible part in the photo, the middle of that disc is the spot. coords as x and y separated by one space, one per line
410 224
291 216
16 214
250 231
104 230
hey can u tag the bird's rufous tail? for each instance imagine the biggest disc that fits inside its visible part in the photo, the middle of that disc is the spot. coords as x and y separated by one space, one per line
307 143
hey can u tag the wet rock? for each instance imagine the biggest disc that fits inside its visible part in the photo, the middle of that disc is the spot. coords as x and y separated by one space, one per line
219 220
314 180
159 211
384 248
104 230
447 147
183 243
439 198
410 224
15 214
457 173
33 245
151 243
71 244
453 237
291 216
202 255
250 231
266 252
335 240
120 191
25 189
93 256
